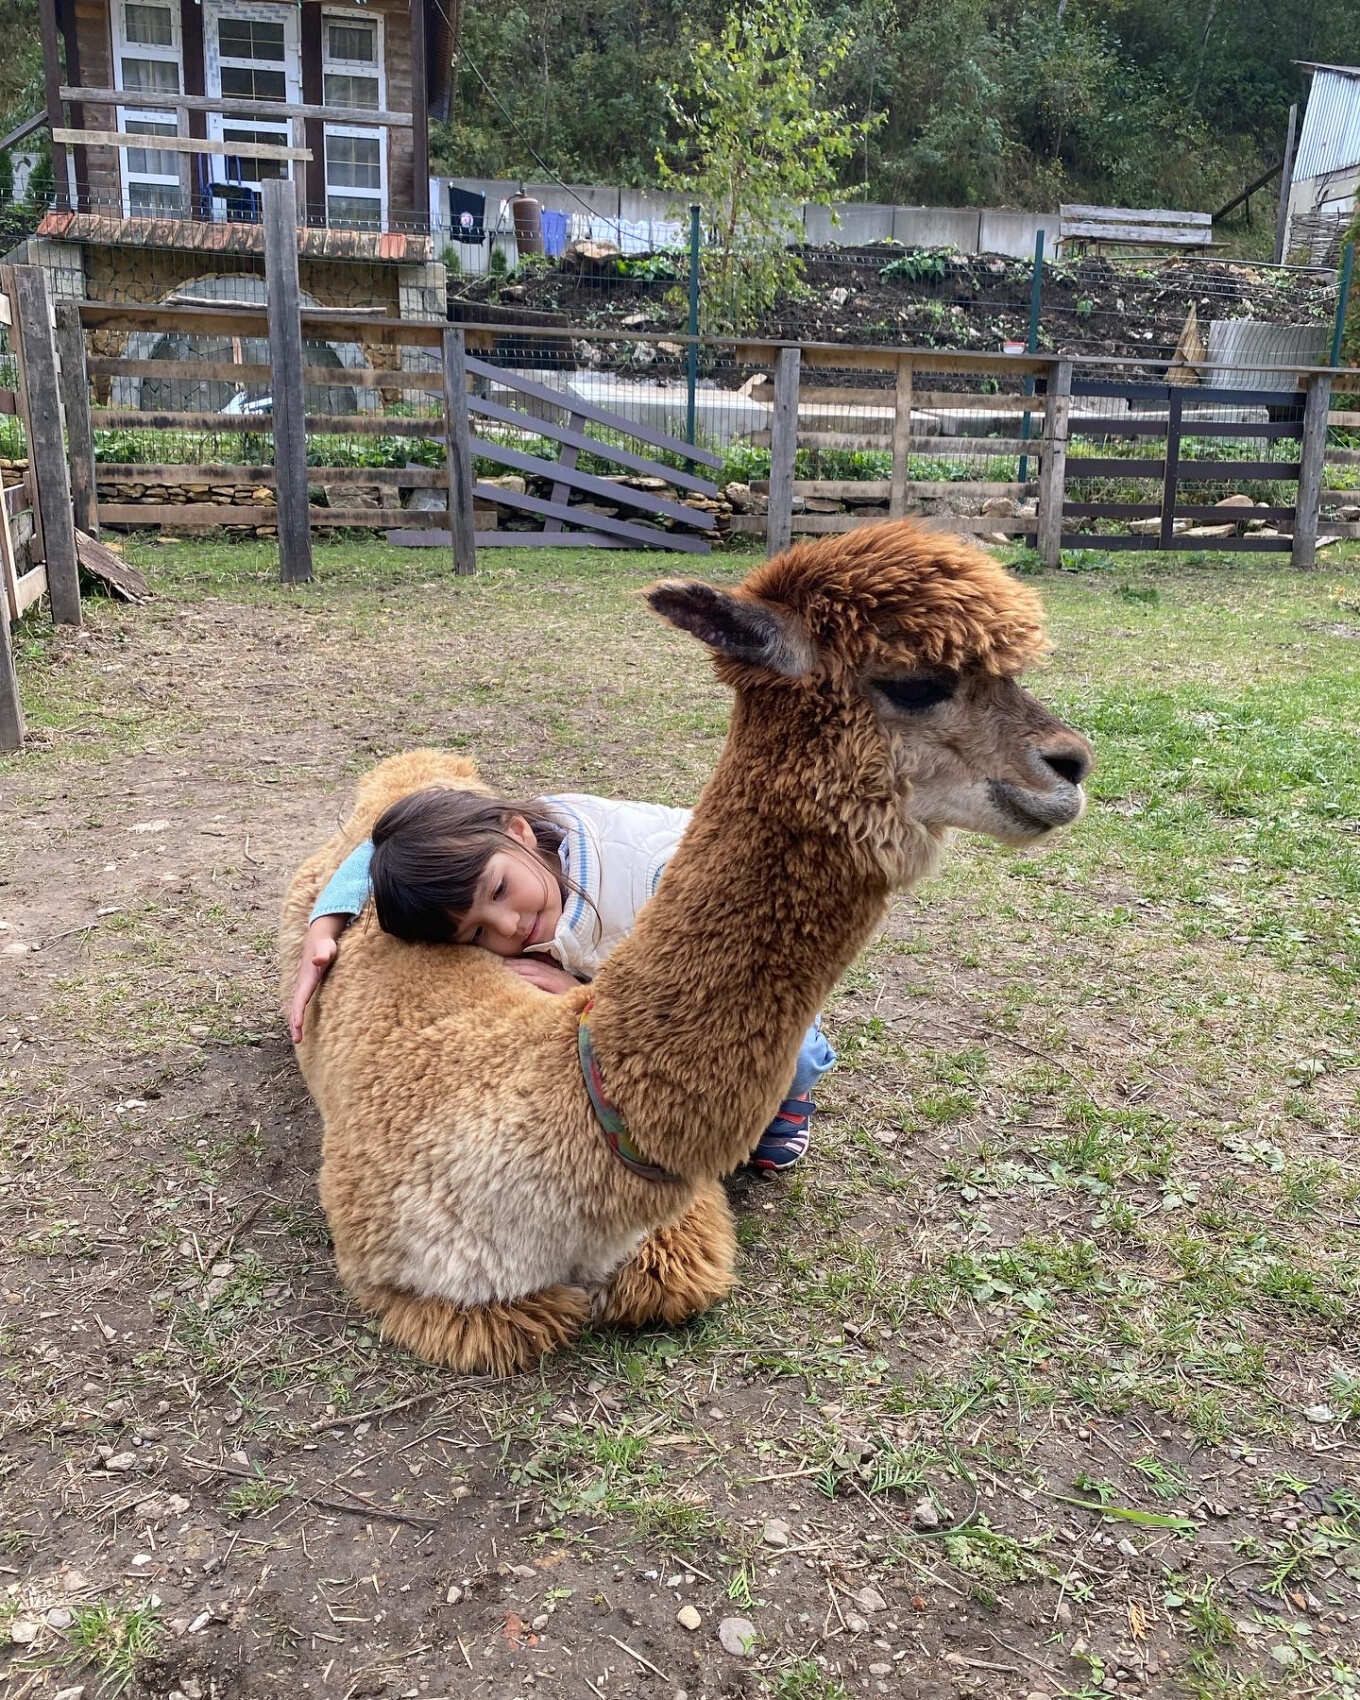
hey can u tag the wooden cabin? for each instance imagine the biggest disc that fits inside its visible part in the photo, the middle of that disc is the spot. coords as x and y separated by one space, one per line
167 116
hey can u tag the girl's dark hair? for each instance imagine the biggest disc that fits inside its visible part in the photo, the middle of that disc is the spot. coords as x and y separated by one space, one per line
431 848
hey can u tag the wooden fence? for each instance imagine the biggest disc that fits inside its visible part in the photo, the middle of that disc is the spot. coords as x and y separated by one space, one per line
37 531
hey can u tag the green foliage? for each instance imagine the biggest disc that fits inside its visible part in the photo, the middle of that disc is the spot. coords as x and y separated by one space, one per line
1136 102
755 140
922 265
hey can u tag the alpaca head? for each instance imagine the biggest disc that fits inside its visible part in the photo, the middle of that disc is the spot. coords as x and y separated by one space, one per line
877 681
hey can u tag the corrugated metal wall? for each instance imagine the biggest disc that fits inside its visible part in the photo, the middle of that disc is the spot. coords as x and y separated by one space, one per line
1331 125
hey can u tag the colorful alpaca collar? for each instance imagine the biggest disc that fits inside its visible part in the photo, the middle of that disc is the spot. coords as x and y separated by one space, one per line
612 1124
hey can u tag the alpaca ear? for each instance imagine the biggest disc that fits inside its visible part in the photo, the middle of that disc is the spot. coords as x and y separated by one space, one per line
735 627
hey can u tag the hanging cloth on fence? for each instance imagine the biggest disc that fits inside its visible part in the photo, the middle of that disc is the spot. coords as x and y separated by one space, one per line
554 228
467 215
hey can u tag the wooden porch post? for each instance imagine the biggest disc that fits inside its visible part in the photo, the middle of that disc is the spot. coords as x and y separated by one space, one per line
420 114
47 19
462 518
1053 471
26 287
1312 466
284 312
783 448
75 401
901 442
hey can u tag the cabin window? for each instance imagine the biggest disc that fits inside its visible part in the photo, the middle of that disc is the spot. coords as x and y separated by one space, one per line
251 52
147 61
352 67
356 157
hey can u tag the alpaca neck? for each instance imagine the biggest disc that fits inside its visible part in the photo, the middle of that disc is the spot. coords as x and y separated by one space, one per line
699 1014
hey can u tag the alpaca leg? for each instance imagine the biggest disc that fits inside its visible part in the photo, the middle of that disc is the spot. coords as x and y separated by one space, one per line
680 1269
496 1339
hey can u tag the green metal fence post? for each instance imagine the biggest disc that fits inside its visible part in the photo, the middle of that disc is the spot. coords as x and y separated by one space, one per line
1343 296
1036 292
692 353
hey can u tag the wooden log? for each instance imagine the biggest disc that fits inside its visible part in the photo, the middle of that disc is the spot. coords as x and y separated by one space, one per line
619 494
1145 215
630 530
462 518
179 144
864 491
513 380
109 569
276 110
285 356
1171 472
75 400
174 473
901 442
1312 464
573 436
509 540
11 705
1185 236
262 424
783 449
37 352
185 516
31 586
1048 527
247 372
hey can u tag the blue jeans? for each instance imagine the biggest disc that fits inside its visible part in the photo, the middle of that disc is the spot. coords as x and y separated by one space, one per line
815 1058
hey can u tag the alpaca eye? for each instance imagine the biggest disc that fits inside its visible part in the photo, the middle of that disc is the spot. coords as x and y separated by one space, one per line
919 691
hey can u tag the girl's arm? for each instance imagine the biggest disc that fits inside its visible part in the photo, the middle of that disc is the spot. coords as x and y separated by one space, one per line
344 896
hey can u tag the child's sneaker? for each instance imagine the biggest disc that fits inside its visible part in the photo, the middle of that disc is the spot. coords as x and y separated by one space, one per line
785 1141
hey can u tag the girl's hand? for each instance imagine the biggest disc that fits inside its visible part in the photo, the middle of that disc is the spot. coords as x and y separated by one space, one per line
545 975
319 949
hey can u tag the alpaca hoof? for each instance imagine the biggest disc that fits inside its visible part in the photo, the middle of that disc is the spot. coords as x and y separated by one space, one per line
678 1270
493 1339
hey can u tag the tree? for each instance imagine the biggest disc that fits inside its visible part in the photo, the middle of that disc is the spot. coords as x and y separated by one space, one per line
754 143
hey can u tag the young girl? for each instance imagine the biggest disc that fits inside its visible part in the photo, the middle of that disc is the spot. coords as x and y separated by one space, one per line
552 886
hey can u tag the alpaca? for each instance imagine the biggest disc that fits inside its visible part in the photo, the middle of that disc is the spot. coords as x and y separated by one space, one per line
476 1196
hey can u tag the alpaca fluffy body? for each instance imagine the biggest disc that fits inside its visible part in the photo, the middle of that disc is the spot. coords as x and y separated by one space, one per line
474 1205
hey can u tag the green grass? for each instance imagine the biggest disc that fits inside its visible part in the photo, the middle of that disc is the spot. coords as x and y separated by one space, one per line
1074 1254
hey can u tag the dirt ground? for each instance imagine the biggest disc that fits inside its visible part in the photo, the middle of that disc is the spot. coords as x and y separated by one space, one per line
1042 1379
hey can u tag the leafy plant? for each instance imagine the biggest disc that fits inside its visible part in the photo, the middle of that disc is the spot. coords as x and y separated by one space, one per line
922 265
756 141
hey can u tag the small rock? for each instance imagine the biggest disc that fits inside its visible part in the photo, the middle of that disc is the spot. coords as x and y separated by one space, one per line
121 1461
856 1624
525 1572
453 1596
1063 1612
1319 1413
880 1667
688 1618
22 1630
924 1515
738 1636
74 1581
541 1621
75 1693
1128 1549
870 1600
59 1618
775 1533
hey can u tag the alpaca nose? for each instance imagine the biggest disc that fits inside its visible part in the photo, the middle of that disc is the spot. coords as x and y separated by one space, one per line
1070 760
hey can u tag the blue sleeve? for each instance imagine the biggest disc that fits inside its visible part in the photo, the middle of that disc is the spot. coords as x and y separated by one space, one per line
348 889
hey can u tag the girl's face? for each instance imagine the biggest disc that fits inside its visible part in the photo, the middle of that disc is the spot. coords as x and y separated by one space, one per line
518 901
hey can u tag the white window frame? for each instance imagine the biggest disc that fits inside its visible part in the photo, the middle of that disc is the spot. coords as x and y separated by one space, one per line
355 67
129 115
377 196
214 11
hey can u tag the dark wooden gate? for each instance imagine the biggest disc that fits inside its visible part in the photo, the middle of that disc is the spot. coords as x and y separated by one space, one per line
1283 419
650 518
